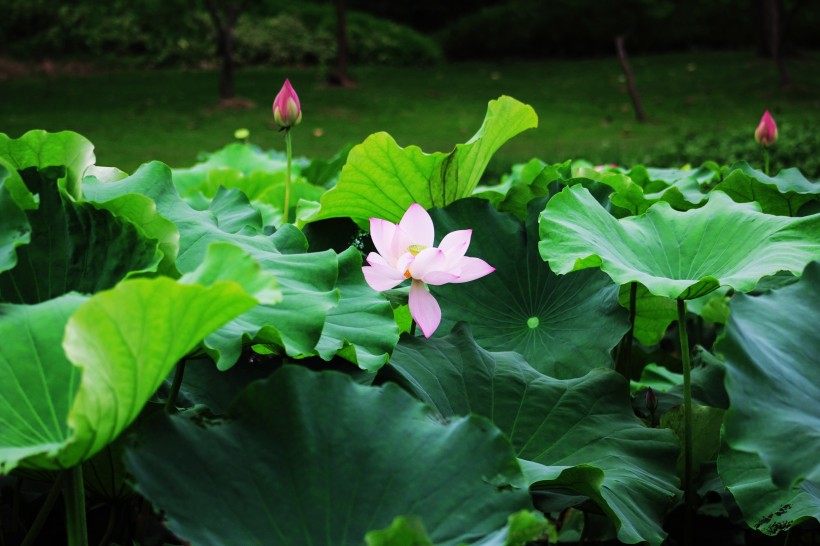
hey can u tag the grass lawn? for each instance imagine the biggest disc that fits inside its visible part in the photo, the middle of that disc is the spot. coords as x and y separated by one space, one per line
584 111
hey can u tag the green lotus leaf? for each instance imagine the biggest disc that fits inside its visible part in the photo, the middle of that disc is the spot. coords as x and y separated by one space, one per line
197 228
307 281
141 211
563 325
349 459
770 346
309 292
766 507
381 179
654 180
242 159
41 149
74 246
15 231
63 404
37 383
706 423
783 194
577 433
361 328
654 314
681 255
522 528
233 212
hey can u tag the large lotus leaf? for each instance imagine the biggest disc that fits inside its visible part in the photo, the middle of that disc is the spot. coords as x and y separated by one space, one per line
37 382
766 507
577 433
74 246
676 254
783 194
197 229
141 211
381 179
309 292
563 325
307 281
770 345
61 405
15 230
361 328
40 149
347 459
243 159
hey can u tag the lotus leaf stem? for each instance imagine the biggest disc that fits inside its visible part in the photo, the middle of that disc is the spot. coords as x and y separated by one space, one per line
74 499
687 423
45 510
171 401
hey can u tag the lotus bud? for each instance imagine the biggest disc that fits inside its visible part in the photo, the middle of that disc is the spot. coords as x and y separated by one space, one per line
651 400
286 109
766 132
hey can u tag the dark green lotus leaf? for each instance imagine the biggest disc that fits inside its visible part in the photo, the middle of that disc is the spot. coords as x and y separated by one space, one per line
783 194
361 328
349 459
525 182
563 325
74 246
307 281
770 346
676 254
381 179
76 371
578 433
15 231
40 149
766 507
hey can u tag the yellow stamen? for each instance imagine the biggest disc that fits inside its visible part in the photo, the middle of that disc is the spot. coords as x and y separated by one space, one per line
415 249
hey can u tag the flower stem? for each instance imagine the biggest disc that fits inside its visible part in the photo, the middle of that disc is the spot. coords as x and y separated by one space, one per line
766 161
74 498
687 423
289 153
171 401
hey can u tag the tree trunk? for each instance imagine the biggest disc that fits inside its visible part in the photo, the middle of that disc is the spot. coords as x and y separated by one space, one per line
773 17
340 76
640 115
224 24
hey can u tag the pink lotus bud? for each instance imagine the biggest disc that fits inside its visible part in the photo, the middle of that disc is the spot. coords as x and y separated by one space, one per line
766 132
286 109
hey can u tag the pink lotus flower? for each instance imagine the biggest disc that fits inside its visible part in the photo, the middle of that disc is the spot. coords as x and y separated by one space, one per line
406 251
766 132
286 109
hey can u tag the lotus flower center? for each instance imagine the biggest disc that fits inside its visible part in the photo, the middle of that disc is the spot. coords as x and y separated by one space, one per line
415 249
